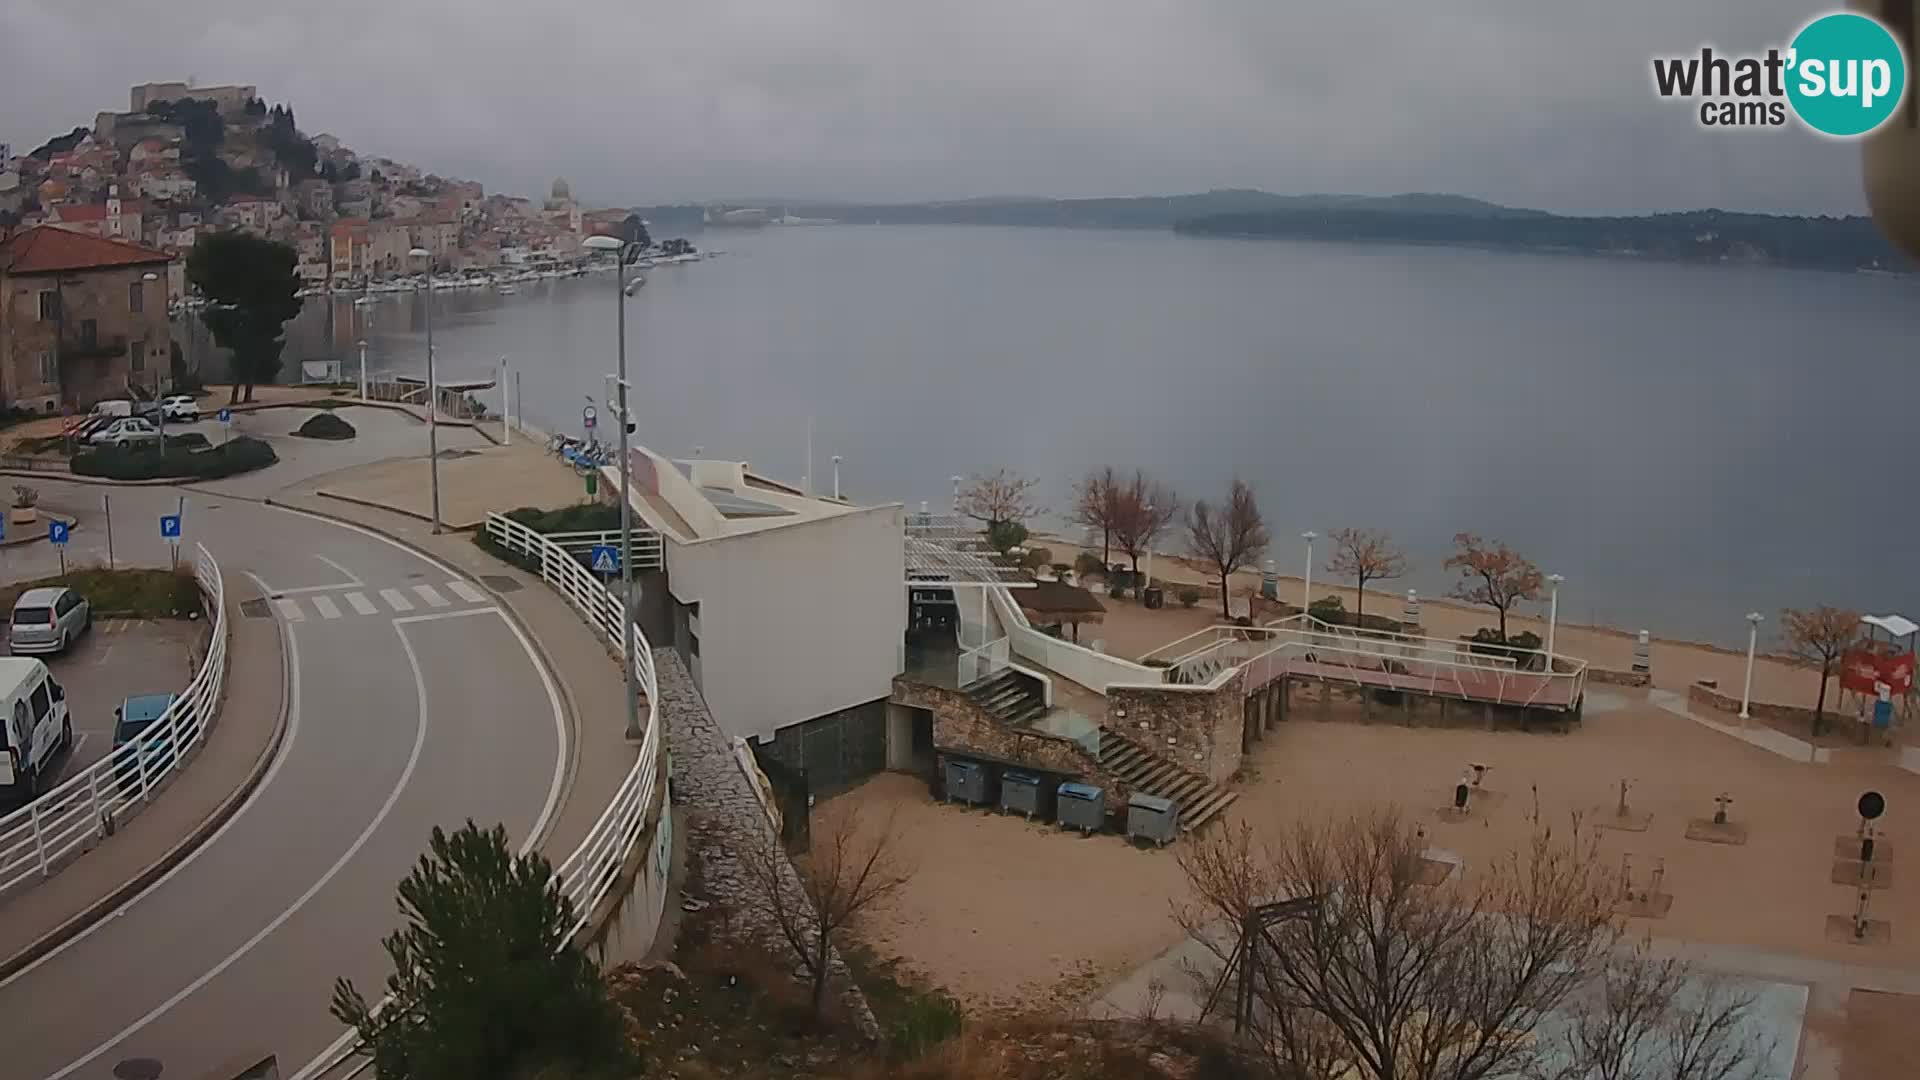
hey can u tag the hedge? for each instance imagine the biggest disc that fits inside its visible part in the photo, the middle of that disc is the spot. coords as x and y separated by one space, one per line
325 425
243 454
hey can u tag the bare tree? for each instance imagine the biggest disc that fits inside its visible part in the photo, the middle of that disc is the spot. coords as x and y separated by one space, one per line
1387 976
1001 497
1820 636
1096 502
1492 574
1143 508
1365 555
851 868
1228 537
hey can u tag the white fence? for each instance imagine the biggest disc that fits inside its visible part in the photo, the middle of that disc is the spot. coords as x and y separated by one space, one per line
90 804
1093 670
647 554
588 875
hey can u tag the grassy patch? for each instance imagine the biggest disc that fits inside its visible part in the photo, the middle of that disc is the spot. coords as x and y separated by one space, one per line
581 517
914 1018
143 594
148 463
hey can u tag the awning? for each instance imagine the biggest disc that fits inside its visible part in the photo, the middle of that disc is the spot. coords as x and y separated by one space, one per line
1897 625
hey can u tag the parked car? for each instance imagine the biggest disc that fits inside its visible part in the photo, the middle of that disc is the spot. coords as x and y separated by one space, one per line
34 727
132 723
125 431
181 407
48 620
113 407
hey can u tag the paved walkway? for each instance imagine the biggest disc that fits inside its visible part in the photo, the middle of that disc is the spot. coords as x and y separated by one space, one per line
480 477
230 759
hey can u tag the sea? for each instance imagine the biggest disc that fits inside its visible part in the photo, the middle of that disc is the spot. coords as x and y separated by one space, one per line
1685 443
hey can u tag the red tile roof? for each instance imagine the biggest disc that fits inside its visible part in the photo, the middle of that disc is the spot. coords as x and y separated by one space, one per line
48 250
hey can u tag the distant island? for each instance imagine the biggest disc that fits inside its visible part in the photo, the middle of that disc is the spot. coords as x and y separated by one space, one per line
1821 243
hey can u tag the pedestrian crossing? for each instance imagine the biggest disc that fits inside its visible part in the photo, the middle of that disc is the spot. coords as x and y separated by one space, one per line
350 603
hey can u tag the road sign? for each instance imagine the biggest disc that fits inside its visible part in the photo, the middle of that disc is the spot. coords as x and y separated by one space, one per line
588 417
57 532
226 416
605 559
3 527
169 526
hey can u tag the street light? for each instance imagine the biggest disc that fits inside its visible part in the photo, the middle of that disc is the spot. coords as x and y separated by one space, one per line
158 386
433 405
1306 586
1553 615
1147 516
1753 637
836 478
624 252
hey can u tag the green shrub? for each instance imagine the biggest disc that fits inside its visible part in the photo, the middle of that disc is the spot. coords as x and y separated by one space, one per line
1036 557
580 517
175 462
1117 590
325 425
1004 536
1189 597
143 594
1329 609
922 1021
1087 565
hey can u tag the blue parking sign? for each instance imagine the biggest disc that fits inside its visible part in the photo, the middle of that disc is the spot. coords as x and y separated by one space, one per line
57 532
226 416
605 559
169 526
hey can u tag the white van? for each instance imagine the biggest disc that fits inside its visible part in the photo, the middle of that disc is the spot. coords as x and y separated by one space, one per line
113 408
34 727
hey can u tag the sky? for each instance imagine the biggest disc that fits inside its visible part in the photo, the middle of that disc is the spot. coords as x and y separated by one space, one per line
1546 103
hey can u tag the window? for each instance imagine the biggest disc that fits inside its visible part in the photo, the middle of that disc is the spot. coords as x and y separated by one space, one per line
48 372
137 297
89 333
66 603
136 357
49 306
42 703
21 725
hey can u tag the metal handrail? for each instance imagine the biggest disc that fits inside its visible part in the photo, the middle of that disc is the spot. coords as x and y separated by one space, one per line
90 804
588 875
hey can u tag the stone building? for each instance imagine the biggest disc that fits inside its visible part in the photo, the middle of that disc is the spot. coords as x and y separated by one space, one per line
81 318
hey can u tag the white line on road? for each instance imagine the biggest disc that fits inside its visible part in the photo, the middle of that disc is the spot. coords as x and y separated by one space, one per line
361 605
304 589
431 595
396 599
438 615
343 570
467 592
406 774
290 608
327 608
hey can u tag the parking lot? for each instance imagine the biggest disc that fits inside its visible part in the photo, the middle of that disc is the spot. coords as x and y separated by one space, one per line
118 659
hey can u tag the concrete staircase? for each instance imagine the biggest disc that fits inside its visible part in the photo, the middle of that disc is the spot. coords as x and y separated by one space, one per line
1010 697
1200 799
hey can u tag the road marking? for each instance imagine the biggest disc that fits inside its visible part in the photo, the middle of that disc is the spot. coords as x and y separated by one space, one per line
431 595
325 605
439 615
346 573
290 608
396 599
304 589
330 1058
361 605
406 774
273 770
467 592
104 653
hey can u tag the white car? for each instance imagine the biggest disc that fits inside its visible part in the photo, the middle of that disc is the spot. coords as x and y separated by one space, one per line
125 432
180 407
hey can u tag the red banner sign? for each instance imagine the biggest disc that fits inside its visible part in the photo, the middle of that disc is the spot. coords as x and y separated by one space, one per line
1862 670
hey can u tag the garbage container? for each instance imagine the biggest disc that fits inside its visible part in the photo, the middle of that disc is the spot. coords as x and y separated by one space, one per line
1150 817
1083 807
1020 793
966 781
1156 597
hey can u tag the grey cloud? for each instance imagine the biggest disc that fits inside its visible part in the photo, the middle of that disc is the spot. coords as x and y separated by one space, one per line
1541 104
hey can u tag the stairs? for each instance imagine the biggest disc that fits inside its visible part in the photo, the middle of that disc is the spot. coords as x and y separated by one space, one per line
1199 799
1010 697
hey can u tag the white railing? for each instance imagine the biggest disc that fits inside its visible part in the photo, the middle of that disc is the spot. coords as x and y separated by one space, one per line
1093 670
647 551
983 662
91 803
588 875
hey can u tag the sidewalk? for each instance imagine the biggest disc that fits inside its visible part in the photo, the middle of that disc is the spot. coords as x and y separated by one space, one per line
472 483
205 792
587 676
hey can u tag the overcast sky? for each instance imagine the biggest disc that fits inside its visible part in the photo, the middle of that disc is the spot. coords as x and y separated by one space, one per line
1546 103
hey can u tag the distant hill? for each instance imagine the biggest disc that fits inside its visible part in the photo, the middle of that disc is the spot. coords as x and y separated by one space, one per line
1826 243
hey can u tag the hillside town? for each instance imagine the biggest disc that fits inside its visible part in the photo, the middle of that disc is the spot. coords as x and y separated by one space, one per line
182 159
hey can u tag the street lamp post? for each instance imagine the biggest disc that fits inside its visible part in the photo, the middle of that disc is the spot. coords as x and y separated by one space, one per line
433 405
365 304
1306 585
1753 638
1148 584
836 478
622 290
158 386
1553 615
506 402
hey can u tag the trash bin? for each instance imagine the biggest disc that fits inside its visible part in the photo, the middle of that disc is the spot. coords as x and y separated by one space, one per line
1020 793
1083 807
966 781
1150 817
1156 597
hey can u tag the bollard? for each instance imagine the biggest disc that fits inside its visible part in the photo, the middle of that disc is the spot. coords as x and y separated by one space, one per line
1641 650
1411 613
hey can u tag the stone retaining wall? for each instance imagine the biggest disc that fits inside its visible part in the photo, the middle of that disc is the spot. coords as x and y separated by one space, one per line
1711 697
1619 678
1199 730
724 820
961 725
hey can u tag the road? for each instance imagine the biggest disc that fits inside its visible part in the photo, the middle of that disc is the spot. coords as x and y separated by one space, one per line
414 703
